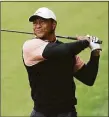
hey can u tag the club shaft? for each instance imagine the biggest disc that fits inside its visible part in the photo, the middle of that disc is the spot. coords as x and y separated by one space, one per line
73 38
17 31
67 37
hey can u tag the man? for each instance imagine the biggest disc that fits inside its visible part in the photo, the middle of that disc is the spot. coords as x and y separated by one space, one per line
51 66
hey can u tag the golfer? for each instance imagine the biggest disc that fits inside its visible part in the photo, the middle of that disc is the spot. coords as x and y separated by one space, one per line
52 66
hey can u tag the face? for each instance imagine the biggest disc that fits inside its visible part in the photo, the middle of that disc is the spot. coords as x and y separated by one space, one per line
43 27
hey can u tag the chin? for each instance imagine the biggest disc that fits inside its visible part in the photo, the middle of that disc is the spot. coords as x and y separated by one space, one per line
40 35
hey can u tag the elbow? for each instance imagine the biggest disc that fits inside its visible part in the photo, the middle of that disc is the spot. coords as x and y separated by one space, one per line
91 81
90 84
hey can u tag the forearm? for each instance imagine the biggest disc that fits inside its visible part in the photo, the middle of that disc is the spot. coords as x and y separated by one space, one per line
53 50
88 73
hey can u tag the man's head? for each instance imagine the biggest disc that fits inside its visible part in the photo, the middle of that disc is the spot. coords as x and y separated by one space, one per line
44 23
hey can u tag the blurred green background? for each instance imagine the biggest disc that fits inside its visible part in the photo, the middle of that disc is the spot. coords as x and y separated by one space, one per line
74 18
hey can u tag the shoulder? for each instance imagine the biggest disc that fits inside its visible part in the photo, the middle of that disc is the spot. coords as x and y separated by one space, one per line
33 44
32 51
78 63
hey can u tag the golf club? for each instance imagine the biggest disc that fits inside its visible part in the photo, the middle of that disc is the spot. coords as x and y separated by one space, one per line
67 37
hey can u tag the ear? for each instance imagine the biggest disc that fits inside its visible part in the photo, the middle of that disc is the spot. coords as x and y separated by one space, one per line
54 25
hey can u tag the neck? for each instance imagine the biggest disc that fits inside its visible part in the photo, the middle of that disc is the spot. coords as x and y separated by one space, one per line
51 37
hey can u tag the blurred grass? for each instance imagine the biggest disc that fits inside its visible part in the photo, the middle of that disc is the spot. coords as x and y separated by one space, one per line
73 18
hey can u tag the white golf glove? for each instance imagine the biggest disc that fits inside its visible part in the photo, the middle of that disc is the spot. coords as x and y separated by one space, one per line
93 45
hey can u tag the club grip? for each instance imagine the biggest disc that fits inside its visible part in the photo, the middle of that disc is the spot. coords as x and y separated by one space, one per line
75 38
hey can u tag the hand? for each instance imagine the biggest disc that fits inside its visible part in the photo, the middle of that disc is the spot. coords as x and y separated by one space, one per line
93 45
83 38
